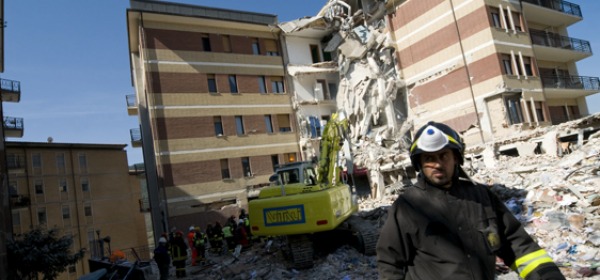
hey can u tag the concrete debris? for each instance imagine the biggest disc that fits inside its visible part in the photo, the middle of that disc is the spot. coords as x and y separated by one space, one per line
556 197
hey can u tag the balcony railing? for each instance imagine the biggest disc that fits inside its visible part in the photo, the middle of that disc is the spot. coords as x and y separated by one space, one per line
136 137
558 41
13 123
131 100
18 201
10 86
558 5
571 82
11 90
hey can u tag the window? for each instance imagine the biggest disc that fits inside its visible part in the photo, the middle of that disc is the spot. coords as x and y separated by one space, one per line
513 105
255 47
225 169
496 19
277 85
206 43
527 65
315 127
262 85
517 21
13 188
269 123
39 186
246 167
41 215
322 90
332 90
507 65
36 162
62 185
66 212
283 121
274 161
226 43
314 53
60 163
212 83
16 218
87 210
290 157
218 125
83 163
233 84
271 47
239 125
85 185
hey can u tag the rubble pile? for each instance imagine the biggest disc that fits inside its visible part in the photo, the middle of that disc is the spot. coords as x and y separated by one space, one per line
556 197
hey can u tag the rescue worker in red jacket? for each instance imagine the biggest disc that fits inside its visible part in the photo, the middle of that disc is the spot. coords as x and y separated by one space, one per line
448 227
190 238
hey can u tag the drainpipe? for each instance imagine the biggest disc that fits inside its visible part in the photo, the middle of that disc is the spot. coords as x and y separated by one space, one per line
462 51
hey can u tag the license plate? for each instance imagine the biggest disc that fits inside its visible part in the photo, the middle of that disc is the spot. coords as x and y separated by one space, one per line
287 215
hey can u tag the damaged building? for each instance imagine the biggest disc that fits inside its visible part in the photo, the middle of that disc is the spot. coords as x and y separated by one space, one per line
216 117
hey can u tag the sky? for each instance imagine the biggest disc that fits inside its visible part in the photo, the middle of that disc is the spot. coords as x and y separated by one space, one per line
71 58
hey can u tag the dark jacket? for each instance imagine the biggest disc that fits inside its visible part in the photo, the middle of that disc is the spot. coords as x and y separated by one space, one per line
434 233
161 255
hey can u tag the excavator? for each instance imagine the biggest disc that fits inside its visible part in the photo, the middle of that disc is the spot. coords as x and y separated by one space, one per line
308 206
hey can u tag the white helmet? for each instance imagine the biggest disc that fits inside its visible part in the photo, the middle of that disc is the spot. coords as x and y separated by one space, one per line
162 240
191 228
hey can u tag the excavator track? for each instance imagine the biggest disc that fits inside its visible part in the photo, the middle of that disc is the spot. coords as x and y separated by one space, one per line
301 251
366 235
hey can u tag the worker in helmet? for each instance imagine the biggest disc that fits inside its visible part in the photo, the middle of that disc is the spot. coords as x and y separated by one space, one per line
190 238
162 258
179 254
449 227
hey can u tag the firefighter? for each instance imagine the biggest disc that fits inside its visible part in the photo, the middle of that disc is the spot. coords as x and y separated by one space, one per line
179 254
449 227
199 243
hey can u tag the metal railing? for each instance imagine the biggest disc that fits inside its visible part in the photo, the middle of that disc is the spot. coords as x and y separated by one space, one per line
136 135
13 123
9 85
554 40
571 82
131 100
558 5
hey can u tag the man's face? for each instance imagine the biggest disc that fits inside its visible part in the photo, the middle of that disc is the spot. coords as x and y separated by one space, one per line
438 167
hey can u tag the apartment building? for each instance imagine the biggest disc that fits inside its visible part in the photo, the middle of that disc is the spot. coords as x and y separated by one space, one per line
213 106
490 68
84 190
314 78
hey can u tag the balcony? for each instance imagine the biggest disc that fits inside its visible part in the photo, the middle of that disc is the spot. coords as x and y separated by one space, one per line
11 90
132 106
551 12
555 47
570 86
19 201
13 127
136 137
